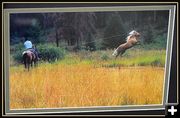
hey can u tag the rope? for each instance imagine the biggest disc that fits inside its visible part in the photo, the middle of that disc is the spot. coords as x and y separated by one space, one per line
100 39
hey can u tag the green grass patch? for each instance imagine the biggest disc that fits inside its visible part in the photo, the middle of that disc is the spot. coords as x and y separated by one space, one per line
141 58
104 58
132 57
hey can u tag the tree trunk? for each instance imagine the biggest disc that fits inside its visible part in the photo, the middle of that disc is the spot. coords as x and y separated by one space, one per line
57 38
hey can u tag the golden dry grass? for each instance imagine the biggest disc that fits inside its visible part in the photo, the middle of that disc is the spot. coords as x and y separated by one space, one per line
59 85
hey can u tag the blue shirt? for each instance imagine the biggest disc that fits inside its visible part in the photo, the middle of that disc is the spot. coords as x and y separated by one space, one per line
28 44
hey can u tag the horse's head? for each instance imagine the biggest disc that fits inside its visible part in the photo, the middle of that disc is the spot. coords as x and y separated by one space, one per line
134 33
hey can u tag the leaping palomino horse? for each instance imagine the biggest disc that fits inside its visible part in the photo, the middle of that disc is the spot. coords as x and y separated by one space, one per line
29 58
131 41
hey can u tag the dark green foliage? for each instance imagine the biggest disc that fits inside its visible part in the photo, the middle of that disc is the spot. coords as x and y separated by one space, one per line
51 53
92 30
157 43
160 41
148 35
104 57
16 52
16 47
15 39
34 34
47 52
115 33
18 56
31 32
90 43
157 62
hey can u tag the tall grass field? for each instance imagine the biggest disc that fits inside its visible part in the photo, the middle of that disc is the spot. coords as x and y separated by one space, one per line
85 79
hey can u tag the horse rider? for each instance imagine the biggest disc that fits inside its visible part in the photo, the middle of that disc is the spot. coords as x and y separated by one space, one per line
29 46
36 51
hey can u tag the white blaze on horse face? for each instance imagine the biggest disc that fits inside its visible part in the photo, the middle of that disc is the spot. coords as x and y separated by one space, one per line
115 52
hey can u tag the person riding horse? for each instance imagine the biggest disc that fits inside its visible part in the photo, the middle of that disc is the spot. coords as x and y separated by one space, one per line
29 46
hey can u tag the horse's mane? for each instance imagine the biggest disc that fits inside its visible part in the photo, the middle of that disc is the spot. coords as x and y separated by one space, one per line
131 34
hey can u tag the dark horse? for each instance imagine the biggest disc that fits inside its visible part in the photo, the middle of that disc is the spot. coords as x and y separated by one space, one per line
29 58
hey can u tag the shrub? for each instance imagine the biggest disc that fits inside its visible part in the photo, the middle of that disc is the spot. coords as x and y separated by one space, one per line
16 52
157 62
16 47
46 52
114 33
51 53
104 57
18 56
160 41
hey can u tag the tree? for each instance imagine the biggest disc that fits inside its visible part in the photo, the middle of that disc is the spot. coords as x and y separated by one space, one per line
115 33
34 33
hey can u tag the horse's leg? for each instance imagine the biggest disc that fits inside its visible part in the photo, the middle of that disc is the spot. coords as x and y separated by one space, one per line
31 63
25 64
116 56
28 63
24 61
35 63
28 66
122 52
